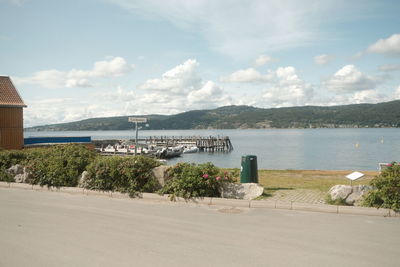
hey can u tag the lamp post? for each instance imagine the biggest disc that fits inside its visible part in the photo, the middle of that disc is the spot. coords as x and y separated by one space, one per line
136 121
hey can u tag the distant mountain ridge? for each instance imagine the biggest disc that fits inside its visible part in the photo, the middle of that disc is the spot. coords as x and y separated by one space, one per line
385 114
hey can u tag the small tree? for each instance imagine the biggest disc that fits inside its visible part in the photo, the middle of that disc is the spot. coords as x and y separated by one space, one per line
386 192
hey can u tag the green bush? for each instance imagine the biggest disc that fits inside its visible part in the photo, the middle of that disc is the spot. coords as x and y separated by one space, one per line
123 174
58 165
191 180
11 157
386 192
339 201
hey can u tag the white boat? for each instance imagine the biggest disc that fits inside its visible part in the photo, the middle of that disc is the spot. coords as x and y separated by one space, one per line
193 149
169 152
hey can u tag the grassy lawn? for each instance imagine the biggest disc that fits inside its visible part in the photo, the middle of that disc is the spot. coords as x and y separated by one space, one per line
321 180
308 179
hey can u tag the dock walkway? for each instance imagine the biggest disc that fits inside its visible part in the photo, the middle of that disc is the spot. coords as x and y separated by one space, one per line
209 143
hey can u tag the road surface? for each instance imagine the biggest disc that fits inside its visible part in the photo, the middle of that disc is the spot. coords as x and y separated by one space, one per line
59 229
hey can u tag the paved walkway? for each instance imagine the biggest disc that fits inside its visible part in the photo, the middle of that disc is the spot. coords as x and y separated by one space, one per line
299 195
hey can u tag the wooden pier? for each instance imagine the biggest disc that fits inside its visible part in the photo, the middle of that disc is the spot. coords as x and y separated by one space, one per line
209 143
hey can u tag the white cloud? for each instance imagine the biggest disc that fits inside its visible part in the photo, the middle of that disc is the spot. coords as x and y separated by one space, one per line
390 45
397 93
78 83
179 80
209 92
119 95
246 75
45 78
229 29
287 89
389 67
366 96
181 89
116 66
323 59
77 78
349 79
263 60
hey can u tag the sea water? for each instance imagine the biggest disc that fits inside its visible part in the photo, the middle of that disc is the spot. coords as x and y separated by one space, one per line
303 149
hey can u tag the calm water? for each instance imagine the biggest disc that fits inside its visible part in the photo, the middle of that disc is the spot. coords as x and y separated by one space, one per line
330 149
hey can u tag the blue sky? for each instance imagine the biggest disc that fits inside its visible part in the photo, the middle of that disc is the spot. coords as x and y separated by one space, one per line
72 60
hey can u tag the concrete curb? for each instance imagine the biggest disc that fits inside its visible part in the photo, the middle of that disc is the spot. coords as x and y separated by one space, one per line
364 211
315 207
263 204
216 201
4 184
97 193
196 200
21 186
231 202
72 190
119 195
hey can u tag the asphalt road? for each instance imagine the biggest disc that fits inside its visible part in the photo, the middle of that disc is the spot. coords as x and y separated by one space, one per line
59 229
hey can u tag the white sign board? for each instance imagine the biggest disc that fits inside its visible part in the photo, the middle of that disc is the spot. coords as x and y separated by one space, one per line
354 176
134 119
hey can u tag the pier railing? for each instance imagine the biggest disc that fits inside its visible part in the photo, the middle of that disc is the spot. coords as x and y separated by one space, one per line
208 143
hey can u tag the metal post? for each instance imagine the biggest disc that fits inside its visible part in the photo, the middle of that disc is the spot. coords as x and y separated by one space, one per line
136 121
136 142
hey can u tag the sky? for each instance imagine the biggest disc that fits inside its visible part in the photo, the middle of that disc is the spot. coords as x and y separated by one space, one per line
79 59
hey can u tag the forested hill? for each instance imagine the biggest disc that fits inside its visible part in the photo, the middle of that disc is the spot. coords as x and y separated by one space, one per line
232 117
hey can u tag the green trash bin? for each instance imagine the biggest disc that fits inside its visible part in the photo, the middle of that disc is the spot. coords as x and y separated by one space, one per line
248 170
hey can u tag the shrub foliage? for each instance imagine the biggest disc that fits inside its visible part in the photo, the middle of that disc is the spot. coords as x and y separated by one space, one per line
191 180
62 165
123 174
58 165
386 192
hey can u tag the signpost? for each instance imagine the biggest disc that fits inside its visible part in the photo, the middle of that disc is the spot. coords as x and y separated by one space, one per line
354 176
136 121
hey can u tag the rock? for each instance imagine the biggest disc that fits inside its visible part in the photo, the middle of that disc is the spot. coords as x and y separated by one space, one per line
241 191
15 169
82 180
356 197
351 194
353 197
361 188
161 174
340 192
19 173
27 175
19 178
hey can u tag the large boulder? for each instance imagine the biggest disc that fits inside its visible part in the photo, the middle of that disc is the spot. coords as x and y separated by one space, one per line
19 173
82 180
340 192
15 169
19 178
161 174
241 191
355 197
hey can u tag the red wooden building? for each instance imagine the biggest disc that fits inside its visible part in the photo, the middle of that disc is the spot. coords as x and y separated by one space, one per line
11 115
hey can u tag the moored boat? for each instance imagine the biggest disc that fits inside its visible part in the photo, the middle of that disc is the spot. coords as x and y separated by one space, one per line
193 149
